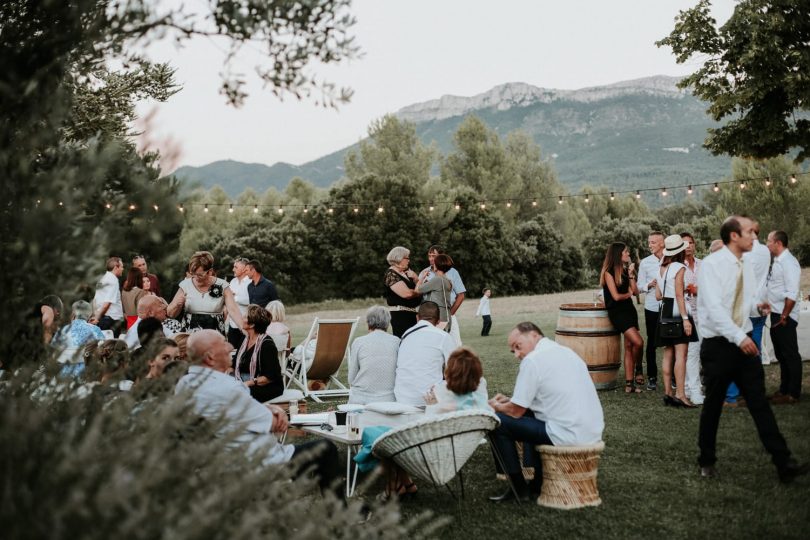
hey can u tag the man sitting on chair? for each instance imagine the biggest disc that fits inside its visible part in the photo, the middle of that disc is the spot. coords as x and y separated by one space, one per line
423 352
554 402
217 395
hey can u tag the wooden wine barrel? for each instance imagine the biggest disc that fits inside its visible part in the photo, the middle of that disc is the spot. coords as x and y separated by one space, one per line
586 329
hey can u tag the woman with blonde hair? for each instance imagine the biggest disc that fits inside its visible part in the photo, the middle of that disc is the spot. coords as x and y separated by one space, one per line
278 329
674 306
203 297
618 281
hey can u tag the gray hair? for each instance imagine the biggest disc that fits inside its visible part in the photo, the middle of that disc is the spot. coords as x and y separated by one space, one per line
81 310
378 318
396 255
277 311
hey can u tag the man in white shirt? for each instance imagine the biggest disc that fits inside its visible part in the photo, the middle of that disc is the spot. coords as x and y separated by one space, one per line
484 311
148 306
728 297
109 313
554 402
692 385
647 280
249 424
423 353
239 286
457 294
783 293
760 259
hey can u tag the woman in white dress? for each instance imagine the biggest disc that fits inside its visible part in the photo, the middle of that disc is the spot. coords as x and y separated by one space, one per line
203 297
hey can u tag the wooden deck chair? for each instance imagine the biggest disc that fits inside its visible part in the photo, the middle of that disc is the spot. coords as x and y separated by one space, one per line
280 341
331 348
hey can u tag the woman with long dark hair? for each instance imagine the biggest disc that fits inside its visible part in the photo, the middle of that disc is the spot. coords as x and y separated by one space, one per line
618 281
673 305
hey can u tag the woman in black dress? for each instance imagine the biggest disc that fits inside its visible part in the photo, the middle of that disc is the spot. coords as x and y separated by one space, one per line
256 362
400 293
618 281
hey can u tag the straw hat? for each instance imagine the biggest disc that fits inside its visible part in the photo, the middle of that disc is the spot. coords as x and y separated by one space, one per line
673 244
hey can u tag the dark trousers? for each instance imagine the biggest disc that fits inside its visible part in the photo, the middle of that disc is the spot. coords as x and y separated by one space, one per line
526 429
651 321
401 321
487 325
723 363
786 348
235 337
108 323
321 459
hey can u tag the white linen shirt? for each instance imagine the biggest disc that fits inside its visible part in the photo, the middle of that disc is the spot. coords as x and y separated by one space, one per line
483 307
553 382
423 352
373 367
760 260
132 339
648 271
690 278
716 285
240 296
216 395
783 283
108 290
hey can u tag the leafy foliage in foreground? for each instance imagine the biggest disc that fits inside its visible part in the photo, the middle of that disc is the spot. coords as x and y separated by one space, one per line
142 465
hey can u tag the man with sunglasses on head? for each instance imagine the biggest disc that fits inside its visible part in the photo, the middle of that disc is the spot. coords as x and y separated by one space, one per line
139 262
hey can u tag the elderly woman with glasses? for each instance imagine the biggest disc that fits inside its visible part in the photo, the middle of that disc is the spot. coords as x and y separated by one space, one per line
373 360
203 297
400 290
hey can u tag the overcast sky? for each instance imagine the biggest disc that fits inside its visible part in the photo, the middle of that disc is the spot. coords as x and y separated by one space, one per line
414 51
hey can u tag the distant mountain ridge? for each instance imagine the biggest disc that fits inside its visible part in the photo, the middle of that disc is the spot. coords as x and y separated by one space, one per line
627 134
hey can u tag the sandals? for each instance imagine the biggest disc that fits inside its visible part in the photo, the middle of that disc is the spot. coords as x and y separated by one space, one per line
639 379
630 387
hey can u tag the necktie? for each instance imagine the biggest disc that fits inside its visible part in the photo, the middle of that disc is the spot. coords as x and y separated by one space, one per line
737 306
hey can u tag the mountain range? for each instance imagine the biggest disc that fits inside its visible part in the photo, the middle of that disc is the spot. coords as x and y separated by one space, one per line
644 132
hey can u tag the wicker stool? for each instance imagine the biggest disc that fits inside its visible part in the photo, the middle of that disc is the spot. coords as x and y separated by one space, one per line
569 476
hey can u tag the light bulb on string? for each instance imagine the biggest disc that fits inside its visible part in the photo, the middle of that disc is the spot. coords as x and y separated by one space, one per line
689 190
458 206
534 202
255 208
587 198
612 196
280 209
638 194
792 178
380 209
431 207
664 192
716 187
483 205
356 210
331 210
742 185
131 206
61 203
768 182
107 206
205 209
306 209
509 204
156 207
181 208
560 200
230 209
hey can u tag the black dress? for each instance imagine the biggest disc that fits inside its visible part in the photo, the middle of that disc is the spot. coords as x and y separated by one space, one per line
667 309
401 319
266 365
622 314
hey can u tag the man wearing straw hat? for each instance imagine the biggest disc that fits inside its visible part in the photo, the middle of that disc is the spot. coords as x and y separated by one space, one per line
729 296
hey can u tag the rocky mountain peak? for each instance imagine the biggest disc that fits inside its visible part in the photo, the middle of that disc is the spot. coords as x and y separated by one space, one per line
519 94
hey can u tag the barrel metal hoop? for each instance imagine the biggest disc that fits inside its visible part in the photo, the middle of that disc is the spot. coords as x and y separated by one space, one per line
584 314
604 367
598 333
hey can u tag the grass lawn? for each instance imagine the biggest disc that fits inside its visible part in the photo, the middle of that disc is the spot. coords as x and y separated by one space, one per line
648 476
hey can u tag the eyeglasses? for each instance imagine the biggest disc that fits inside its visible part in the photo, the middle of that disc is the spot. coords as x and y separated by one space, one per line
326 427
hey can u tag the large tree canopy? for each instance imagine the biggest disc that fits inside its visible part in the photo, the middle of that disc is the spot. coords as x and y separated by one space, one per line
755 74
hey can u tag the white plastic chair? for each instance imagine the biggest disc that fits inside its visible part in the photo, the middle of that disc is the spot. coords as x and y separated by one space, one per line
435 449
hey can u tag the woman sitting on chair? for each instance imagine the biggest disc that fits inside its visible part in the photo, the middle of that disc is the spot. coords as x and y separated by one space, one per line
278 329
463 387
256 362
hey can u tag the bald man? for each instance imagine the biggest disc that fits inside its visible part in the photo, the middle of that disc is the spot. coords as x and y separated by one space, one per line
216 395
148 306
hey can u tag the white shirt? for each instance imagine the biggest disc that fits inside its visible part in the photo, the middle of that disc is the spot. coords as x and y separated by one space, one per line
133 342
716 285
690 278
666 283
783 283
483 306
240 295
373 367
216 395
423 352
760 259
108 290
553 382
648 271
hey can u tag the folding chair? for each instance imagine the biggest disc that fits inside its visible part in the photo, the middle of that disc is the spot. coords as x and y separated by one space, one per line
331 348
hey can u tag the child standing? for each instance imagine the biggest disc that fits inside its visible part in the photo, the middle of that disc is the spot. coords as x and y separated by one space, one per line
483 310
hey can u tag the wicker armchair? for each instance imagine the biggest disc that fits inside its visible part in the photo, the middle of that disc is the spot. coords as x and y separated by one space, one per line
435 449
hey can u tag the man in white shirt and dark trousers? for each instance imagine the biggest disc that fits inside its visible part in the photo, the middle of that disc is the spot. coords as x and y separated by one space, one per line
647 279
484 312
783 293
554 402
728 297
109 312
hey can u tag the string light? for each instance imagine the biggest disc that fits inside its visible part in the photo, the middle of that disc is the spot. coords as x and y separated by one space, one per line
483 205
612 196
306 209
356 210
458 206
107 206
380 209
792 178
742 185
664 192
560 200
206 208
509 204
431 207
131 206
63 204
587 198
181 208
280 209
534 202
768 182
716 187
638 194
156 207
255 208
689 190
230 209
331 210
